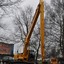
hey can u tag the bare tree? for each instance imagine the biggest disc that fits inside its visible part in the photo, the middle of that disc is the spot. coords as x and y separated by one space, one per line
23 20
52 27
54 23
5 6
8 2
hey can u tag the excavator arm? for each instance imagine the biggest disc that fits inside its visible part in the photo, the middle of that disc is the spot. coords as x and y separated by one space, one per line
27 39
34 20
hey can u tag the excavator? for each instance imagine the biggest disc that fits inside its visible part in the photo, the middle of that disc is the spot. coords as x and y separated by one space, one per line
26 56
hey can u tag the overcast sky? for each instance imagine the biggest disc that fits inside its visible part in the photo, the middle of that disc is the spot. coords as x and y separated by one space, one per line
33 3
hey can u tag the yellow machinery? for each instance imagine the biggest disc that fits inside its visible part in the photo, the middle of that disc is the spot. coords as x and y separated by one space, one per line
26 53
25 56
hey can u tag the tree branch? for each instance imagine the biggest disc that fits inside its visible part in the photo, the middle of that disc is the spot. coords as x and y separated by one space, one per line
9 4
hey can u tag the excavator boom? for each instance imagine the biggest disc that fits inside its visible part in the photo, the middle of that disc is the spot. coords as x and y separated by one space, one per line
42 28
34 20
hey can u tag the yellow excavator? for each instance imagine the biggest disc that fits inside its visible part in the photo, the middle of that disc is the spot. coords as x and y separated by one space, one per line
26 57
